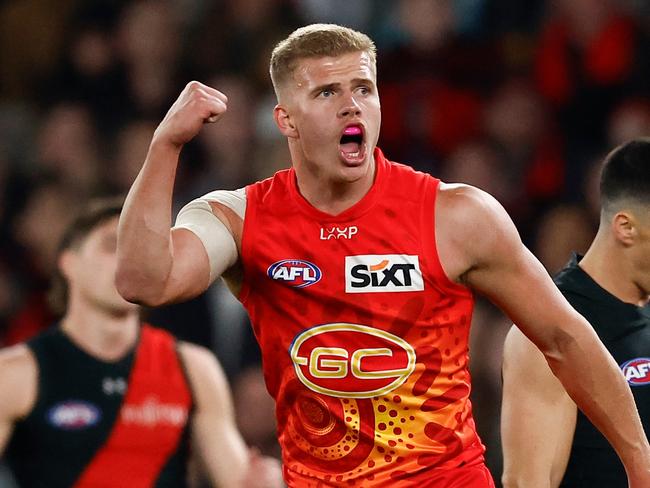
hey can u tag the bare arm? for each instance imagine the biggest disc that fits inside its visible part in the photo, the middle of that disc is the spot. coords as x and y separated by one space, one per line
537 416
497 264
221 449
18 385
156 265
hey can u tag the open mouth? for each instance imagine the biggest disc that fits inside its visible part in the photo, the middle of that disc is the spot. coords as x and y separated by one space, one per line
351 145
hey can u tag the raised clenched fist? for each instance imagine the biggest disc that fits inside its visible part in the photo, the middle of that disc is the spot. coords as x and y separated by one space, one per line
196 105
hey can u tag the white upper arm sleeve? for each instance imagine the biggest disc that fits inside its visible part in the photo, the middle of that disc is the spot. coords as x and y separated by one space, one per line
219 244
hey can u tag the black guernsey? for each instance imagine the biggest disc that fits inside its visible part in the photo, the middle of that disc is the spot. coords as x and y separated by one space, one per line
624 329
77 407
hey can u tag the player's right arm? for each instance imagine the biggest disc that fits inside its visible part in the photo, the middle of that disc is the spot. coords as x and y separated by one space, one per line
538 418
18 385
156 264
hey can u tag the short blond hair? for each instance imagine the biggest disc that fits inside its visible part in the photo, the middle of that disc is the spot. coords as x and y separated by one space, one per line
315 41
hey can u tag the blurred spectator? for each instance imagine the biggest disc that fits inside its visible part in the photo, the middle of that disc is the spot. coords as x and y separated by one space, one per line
479 164
31 39
429 84
630 120
589 57
237 37
256 424
227 144
357 14
149 43
37 231
562 230
91 70
69 148
129 150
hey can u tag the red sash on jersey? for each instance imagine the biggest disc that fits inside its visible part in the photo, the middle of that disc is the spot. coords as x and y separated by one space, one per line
151 421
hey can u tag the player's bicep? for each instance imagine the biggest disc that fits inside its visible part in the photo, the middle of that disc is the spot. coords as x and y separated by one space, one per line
190 272
203 248
511 277
537 417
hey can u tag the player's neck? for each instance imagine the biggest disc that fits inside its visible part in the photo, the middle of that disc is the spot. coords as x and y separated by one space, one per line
606 265
107 337
332 196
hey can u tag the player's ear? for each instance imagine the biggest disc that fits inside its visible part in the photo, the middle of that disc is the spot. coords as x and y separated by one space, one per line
284 122
65 263
625 229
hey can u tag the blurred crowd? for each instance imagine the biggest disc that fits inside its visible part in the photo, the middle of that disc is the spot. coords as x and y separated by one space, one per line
521 99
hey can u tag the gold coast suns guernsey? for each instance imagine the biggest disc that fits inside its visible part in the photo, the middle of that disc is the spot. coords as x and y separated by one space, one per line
364 338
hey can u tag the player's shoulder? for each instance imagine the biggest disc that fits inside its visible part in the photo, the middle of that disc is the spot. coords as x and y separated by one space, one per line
463 197
198 360
234 200
204 372
18 379
470 209
16 358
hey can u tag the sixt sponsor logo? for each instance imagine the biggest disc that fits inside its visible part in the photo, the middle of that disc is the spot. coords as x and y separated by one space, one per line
351 360
295 272
73 415
637 371
382 273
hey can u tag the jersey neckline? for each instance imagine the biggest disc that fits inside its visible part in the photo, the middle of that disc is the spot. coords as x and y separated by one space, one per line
353 212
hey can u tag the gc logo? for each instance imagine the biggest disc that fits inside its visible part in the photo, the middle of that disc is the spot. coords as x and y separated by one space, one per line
351 360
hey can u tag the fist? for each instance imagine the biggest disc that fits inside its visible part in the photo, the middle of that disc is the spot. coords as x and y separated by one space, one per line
196 105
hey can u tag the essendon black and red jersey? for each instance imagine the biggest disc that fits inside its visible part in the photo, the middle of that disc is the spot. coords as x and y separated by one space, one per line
105 424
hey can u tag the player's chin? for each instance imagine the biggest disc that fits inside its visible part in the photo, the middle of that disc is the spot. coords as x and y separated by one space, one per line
356 158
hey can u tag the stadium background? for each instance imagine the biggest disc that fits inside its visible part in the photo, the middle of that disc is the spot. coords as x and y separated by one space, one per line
520 98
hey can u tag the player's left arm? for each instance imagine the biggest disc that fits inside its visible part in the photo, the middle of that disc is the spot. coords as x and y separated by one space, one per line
221 450
502 268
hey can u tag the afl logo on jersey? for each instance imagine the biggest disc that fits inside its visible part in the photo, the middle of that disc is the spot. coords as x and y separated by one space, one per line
295 272
73 415
637 371
351 360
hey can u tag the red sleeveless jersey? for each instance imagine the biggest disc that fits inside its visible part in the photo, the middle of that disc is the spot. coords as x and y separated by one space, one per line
364 338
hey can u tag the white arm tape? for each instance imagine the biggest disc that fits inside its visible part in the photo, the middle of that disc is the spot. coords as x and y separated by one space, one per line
219 244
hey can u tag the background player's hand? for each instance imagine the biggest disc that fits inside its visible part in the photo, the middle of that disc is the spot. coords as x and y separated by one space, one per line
196 105
263 472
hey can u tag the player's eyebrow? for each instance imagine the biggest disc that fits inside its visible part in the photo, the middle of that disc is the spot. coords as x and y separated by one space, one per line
326 86
362 81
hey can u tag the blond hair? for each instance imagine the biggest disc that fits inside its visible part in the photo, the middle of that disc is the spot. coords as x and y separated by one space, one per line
315 41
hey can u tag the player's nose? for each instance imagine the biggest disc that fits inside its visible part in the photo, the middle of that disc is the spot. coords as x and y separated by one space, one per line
349 107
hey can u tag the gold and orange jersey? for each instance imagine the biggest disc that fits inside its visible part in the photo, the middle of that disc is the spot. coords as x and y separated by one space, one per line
364 338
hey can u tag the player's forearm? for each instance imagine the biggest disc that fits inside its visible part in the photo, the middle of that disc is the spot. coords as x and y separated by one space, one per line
521 480
144 239
594 381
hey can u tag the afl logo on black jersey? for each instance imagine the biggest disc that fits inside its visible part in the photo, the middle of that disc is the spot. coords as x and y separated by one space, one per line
73 415
637 371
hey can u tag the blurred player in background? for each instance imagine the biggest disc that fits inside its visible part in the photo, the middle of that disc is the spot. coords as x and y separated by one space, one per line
357 274
610 286
103 400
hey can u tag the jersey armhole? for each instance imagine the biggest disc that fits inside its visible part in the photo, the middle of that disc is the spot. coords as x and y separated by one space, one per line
186 376
429 245
246 245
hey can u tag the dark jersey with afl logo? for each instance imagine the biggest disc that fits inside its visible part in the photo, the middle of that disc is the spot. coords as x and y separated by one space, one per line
624 329
104 424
